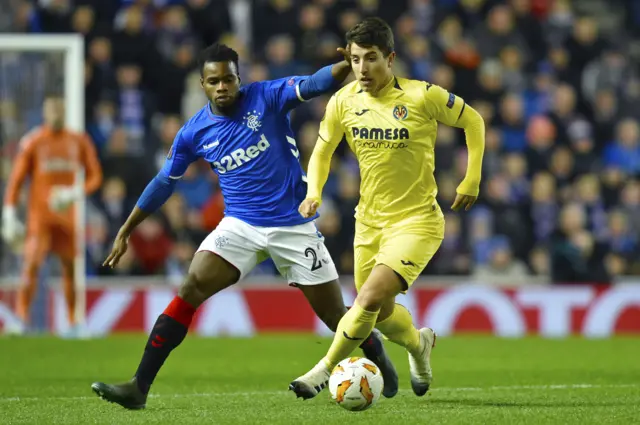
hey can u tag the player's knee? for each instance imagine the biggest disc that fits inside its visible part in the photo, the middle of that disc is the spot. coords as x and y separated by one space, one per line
208 275
370 299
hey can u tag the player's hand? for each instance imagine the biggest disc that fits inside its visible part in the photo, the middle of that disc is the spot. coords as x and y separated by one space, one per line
465 201
13 230
345 53
120 246
308 207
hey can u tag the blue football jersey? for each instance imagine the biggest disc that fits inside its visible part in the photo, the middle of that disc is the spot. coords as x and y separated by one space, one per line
253 152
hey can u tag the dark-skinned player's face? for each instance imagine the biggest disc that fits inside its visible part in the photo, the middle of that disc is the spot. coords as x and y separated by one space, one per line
53 112
221 83
370 66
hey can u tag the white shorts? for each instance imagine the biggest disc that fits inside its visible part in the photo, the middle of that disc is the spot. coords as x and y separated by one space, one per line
297 251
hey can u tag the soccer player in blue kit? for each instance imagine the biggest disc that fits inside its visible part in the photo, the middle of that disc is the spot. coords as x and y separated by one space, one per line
244 133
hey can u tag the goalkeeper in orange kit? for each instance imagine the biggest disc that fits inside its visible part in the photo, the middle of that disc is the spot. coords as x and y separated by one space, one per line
49 156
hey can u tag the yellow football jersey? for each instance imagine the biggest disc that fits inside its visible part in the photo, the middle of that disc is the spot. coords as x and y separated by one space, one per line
393 135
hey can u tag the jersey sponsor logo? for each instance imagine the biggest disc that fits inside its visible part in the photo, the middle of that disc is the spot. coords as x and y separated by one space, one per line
400 112
211 145
380 144
252 120
451 101
58 164
241 156
380 133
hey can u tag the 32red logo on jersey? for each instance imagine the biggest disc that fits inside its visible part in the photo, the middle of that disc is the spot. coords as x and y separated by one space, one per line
400 112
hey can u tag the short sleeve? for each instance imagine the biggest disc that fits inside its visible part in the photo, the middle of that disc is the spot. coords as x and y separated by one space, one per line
331 129
179 158
442 105
283 94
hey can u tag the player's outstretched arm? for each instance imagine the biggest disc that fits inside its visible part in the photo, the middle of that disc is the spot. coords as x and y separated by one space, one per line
451 110
327 78
153 197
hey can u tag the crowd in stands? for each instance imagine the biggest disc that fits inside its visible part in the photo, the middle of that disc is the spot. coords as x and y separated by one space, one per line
559 92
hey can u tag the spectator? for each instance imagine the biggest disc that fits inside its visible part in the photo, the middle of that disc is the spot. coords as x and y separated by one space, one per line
541 134
513 123
576 256
625 153
280 57
134 105
502 267
151 246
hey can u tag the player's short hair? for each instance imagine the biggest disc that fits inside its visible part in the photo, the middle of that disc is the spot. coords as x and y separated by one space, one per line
372 32
217 52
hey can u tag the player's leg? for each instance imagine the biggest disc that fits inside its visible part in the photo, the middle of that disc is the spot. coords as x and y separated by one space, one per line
407 250
328 304
224 257
351 324
64 247
381 286
207 275
68 288
38 243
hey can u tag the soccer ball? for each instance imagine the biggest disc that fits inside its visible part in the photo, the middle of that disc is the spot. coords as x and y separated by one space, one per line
355 384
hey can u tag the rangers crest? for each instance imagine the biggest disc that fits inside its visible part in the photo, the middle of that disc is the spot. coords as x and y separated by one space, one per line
252 120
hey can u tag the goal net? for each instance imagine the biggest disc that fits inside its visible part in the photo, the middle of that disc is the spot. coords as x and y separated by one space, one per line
31 67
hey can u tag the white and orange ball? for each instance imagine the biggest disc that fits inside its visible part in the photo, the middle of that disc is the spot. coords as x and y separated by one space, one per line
356 384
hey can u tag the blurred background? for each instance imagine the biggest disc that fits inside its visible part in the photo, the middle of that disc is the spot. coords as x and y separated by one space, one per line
556 81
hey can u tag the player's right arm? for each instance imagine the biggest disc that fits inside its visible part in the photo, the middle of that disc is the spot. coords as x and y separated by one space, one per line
331 133
155 194
12 229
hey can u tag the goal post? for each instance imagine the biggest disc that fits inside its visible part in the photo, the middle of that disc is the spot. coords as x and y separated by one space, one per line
71 46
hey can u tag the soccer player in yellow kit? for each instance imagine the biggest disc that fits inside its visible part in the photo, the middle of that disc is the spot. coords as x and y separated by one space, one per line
390 124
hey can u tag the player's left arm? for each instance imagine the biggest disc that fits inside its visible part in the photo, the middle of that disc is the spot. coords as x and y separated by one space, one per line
451 110
287 93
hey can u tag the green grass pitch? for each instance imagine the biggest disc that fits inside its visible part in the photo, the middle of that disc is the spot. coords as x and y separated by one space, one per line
478 380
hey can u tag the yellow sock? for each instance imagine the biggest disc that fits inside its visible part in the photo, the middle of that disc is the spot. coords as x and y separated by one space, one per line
399 328
354 327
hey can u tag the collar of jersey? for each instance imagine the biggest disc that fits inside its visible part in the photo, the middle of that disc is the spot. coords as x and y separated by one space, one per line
393 84
224 117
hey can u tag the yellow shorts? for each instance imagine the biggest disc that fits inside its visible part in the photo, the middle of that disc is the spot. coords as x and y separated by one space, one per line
406 247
